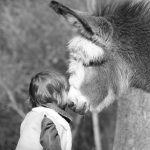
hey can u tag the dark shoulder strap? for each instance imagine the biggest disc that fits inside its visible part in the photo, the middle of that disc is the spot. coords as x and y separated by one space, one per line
49 137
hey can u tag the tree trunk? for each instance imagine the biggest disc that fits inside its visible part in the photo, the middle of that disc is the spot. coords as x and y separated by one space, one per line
97 137
133 122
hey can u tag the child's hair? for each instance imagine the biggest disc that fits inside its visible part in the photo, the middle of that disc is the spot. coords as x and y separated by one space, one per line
47 87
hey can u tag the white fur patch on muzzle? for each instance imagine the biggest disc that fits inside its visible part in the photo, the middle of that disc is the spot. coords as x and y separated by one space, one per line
78 98
82 51
77 76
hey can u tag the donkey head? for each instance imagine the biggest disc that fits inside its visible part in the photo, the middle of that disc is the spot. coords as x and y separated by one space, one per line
94 68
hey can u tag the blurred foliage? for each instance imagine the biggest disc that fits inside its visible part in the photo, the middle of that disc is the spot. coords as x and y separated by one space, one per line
33 38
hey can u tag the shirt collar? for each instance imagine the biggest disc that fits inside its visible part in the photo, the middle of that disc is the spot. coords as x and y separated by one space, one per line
63 113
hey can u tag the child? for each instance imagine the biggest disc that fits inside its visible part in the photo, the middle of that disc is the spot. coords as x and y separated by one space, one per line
46 126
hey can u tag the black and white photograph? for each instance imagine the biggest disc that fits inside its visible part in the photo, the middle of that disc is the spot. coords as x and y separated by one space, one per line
74 74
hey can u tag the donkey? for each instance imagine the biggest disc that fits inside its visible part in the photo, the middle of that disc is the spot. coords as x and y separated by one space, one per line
109 54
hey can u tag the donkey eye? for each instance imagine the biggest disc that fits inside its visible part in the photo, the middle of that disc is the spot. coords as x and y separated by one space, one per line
95 63
76 24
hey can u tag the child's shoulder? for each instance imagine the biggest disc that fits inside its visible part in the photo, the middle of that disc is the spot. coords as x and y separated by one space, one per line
32 113
43 110
32 117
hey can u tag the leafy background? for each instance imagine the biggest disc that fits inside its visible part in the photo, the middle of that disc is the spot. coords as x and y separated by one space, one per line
33 38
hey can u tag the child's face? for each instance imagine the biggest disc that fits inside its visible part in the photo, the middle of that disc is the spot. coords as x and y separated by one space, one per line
65 97
64 93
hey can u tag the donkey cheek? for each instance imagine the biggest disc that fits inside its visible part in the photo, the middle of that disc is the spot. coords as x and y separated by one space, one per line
95 94
96 88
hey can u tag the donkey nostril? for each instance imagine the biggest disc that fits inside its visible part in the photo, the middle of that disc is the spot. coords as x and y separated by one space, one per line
71 104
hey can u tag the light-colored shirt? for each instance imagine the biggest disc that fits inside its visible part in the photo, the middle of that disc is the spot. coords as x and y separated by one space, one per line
31 129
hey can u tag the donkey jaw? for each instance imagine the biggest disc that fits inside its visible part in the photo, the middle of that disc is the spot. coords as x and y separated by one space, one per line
108 100
81 104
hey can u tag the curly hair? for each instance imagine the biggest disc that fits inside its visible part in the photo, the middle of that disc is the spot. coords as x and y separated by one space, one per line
47 87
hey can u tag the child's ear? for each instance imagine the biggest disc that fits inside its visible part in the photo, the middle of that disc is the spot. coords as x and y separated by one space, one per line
74 17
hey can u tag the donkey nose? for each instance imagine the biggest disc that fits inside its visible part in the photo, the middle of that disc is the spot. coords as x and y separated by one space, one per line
71 104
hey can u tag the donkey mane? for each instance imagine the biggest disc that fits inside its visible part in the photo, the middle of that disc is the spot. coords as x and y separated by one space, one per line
126 8
131 24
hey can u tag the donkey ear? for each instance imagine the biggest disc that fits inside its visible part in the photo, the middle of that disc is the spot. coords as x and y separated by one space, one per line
75 18
84 22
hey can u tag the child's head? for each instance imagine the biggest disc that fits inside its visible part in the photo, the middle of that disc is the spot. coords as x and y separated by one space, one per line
48 87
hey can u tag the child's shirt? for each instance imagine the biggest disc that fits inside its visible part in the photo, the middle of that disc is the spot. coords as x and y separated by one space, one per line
51 133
